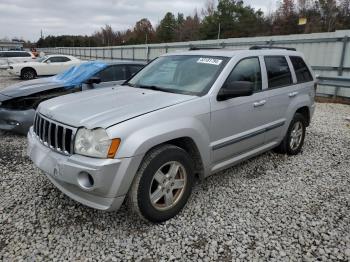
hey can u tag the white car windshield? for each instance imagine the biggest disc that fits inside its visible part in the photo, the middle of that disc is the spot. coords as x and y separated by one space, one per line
184 74
42 59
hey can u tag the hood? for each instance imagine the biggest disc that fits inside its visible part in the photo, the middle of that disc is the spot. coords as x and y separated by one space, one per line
31 87
73 76
108 106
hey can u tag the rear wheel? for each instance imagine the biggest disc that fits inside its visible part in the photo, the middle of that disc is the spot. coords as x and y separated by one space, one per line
28 73
294 139
162 184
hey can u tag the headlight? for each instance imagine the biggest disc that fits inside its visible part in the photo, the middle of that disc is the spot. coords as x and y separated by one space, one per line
95 143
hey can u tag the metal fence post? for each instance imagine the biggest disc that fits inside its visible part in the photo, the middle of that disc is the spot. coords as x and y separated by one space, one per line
341 63
111 53
133 53
121 53
166 48
148 53
103 52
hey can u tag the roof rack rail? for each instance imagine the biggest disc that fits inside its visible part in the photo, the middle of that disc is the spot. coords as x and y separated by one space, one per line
192 47
259 47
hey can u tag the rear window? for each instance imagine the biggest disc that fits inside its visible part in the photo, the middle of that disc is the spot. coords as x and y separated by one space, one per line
301 70
278 72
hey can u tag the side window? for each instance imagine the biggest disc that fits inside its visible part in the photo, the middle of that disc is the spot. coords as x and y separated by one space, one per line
113 73
133 69
58 59
22 54
247 70
278 72
64 59
302 72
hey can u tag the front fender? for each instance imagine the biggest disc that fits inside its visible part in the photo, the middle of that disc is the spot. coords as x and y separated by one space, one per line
140 141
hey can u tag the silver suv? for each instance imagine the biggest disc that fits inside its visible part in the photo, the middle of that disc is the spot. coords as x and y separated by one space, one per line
186 115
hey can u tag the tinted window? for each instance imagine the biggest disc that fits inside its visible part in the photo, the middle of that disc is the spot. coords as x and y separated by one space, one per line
278 72
113 73
17 54
247 70
23 54
133 69
302 72
58 59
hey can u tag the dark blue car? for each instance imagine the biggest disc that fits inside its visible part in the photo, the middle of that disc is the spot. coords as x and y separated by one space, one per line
18 102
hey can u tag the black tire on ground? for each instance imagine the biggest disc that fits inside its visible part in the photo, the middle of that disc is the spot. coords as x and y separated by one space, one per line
28 73
291 144
174 168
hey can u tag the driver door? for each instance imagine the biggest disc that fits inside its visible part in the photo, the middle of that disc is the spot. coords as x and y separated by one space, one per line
237 123
52 66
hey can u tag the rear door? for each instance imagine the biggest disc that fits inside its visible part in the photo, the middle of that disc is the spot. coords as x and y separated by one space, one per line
279 88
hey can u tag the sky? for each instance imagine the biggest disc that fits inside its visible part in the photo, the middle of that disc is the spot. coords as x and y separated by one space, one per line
26 18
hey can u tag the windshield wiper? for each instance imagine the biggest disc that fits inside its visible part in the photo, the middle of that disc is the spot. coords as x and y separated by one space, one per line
156 88
127 84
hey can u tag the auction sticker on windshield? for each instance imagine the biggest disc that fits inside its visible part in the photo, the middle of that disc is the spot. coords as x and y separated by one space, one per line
211 61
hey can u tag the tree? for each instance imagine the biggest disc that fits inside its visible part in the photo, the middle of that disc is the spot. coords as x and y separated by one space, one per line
166 31
143 32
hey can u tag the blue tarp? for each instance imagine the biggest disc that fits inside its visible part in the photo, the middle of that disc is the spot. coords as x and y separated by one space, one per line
79 73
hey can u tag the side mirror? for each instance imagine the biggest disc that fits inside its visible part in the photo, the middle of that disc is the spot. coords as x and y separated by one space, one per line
48 61
235 89
93 80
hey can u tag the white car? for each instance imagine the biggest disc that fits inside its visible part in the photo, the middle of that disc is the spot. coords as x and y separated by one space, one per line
44 66
9 57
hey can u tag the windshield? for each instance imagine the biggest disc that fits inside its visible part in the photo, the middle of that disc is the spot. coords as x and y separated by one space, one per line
184 74
42 59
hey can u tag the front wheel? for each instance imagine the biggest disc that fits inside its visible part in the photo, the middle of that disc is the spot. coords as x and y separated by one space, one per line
162 184
293 142
28 74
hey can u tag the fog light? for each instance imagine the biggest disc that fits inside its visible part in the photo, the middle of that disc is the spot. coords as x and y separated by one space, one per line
85 180
12 123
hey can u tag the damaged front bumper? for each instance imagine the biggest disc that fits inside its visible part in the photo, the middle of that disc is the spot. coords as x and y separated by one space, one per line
18 121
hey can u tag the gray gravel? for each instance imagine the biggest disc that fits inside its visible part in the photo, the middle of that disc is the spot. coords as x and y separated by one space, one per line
273 207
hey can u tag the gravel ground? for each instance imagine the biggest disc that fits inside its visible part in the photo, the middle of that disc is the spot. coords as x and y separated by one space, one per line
271 208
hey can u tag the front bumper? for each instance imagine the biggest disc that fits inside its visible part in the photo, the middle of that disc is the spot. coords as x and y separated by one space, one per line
111 177
13 72
18 121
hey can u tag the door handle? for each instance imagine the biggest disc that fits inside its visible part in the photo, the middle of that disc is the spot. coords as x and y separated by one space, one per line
293 94
260 103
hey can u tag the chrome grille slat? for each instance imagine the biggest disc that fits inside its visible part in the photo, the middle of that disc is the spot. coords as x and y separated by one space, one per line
49 134
57 136
44 131
40 129
64 140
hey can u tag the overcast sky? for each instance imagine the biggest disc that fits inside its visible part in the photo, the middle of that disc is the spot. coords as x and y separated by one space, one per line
25 18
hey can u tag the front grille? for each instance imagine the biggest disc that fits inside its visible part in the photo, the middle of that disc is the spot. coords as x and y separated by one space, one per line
57 136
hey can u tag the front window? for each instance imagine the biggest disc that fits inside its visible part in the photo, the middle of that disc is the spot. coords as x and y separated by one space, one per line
183 74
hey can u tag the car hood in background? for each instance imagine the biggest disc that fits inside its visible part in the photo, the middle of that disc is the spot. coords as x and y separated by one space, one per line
69 78
108 106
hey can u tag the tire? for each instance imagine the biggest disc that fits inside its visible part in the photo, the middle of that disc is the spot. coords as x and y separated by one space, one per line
296 132
28 74
149 183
